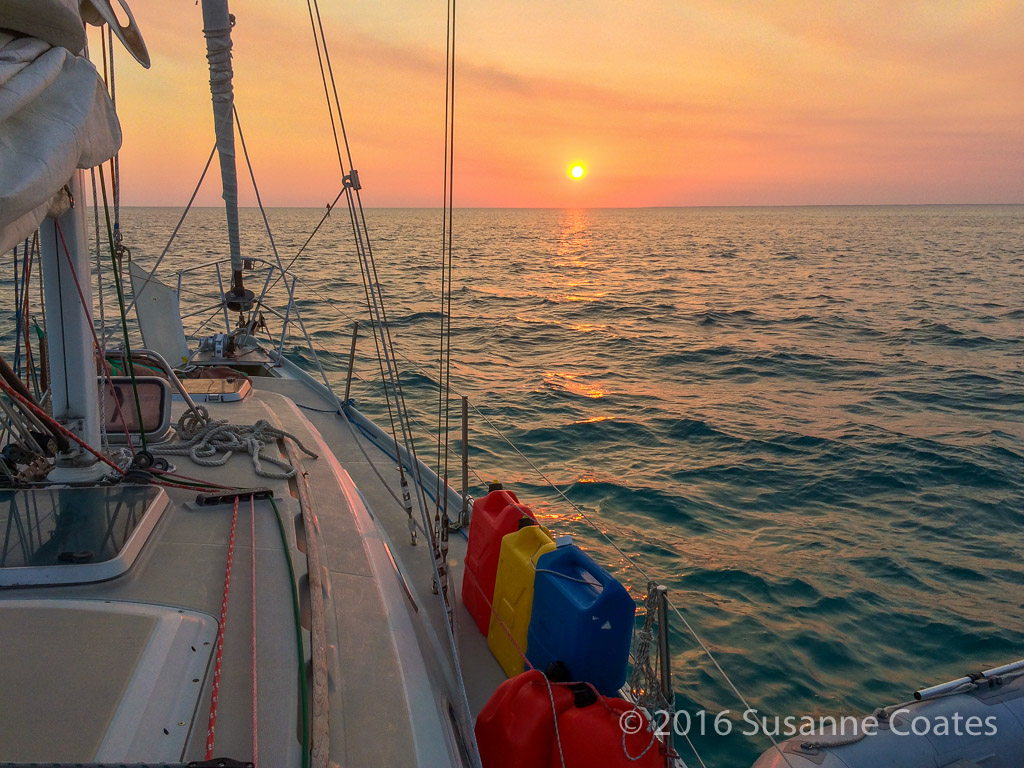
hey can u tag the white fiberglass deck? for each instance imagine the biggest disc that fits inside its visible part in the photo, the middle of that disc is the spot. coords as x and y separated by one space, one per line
113 644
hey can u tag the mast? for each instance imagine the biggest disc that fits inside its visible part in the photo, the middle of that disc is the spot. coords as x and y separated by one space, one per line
74 391
217 23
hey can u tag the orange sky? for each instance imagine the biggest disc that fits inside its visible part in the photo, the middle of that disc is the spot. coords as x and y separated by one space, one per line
667 102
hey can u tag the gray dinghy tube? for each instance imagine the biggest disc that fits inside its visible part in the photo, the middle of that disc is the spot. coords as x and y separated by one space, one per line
982 727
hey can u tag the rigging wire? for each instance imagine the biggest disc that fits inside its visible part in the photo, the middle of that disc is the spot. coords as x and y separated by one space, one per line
441 519
44 363
33 254
371 287
334 86
177 227
327 96
103 317
124 316
115 161
376 306
316 229
22 291
107 51
328 301
266 223
16 362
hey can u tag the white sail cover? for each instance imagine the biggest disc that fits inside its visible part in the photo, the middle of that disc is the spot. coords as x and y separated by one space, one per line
55 115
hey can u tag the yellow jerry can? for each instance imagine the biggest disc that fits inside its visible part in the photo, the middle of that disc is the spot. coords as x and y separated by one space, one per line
513 595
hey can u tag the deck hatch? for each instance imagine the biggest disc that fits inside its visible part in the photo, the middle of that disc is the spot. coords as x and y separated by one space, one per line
99 681
74 535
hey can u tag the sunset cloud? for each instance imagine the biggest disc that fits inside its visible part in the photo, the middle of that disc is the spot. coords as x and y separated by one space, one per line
668 103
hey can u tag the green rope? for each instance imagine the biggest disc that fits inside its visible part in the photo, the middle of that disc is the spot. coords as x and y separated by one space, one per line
298 637
119 369
124 315
165 477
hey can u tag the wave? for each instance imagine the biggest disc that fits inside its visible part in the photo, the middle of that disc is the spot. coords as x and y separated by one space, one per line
944 334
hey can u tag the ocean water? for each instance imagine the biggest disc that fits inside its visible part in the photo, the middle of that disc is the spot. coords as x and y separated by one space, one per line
808 423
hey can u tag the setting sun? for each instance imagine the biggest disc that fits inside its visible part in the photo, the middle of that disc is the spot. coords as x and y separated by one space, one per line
577 171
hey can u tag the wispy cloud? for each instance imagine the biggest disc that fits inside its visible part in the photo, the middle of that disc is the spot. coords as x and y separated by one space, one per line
704 101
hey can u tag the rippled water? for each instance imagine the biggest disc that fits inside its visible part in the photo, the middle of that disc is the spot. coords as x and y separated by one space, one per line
808 423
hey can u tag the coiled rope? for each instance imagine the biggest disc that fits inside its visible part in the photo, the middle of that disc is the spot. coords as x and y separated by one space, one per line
212 443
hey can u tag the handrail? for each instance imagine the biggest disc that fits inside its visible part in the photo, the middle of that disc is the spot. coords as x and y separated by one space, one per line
250 259
155 357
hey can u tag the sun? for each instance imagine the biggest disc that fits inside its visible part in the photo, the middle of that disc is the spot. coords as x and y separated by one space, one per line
577 171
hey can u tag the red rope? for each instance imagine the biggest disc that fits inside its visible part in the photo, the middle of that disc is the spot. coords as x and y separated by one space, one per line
220 638
255 741
50 421
95 340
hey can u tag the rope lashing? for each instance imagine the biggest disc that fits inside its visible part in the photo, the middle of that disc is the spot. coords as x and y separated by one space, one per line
213 443
645 682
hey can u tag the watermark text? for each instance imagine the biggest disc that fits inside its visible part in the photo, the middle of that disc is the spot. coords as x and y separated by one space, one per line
751 722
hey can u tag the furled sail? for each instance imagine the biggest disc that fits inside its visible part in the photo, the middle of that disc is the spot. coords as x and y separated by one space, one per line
55 115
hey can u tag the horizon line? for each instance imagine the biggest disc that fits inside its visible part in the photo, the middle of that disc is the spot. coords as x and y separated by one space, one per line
609 207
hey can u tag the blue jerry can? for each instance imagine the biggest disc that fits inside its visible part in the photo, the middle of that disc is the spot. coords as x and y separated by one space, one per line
583 617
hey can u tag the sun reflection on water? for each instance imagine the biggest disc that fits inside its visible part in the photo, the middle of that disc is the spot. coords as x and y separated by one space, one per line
574 240
568 382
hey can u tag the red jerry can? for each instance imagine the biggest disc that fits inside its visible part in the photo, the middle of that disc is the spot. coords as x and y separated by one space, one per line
592 735
494 516
516 728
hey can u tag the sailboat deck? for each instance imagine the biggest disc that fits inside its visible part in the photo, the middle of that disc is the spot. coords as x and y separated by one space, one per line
379 684
367 464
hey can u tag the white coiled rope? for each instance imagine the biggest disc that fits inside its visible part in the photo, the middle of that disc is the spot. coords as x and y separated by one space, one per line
212 443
